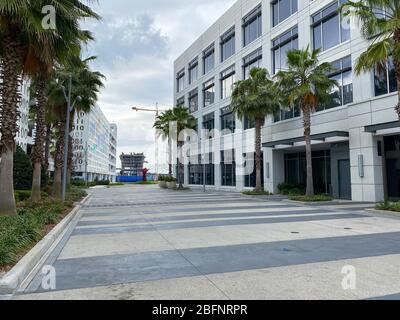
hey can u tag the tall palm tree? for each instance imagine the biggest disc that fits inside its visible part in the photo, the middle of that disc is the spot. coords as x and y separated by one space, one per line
20 33
183 120
306 84
85 84
256 98
67 42
380 21
162 124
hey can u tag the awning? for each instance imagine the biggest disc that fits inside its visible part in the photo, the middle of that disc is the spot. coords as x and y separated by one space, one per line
316 137
382 126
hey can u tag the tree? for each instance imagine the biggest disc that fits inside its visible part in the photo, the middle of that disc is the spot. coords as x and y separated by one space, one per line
162 125
145 171
183 120
256 98
23 39
86 84
380 21
306 84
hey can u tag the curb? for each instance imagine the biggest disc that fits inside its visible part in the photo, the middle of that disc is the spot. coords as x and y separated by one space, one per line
10 282
385 213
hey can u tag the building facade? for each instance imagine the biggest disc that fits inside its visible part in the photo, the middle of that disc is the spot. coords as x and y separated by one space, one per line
24 137
132 164
355 138
94 146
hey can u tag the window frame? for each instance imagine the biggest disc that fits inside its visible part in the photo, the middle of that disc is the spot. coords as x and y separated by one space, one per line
292 12
207 85
227 73
228 36
323 19
209 51
254 15
281 41
193 94
255 56
194 64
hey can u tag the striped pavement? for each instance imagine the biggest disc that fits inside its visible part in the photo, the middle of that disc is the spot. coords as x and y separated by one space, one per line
141 242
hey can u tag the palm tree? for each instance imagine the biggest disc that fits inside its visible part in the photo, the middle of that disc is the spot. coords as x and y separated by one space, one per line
306 84
256 98
21 34
85 84
380 21
67 41
184 120
162 124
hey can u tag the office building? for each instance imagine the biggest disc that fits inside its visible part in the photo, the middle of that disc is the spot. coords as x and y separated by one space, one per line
355 138
94 146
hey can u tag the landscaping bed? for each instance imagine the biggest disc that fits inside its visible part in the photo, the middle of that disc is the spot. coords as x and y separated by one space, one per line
257 193
316 198
18 234
389 206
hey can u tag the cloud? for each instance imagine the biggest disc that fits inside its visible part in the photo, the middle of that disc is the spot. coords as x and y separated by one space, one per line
136 44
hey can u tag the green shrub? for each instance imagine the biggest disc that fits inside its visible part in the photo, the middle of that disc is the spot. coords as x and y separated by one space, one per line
23 195
257 193
316 198
389 206
22 170
75 194
78 183
169 179
290 189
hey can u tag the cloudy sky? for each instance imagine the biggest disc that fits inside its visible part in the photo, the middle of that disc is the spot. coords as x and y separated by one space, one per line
136 44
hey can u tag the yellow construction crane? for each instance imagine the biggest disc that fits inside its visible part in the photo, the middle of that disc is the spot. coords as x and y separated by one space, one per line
157 111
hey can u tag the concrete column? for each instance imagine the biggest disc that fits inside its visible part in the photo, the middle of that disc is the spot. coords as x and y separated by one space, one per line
274 167
370 186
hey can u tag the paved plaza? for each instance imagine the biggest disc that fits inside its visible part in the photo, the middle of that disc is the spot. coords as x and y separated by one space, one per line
141 242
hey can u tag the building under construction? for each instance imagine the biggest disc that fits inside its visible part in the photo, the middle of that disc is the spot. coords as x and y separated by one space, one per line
132 164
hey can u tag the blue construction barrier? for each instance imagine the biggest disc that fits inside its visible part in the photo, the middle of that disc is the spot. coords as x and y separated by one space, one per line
131 179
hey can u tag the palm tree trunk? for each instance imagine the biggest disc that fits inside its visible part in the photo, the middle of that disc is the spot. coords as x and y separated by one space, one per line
169 157
47 149
258 126
59 160
37 155
396 37
11 65
180 169
307 137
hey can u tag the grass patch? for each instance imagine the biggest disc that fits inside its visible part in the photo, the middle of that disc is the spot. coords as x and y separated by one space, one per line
389 206
316 198
257 193
146 182
20 233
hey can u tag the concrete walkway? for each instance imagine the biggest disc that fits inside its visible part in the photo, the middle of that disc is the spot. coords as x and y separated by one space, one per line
140 242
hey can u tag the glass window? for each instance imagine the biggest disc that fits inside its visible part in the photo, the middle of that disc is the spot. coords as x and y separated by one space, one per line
327 28
253 60
208 59
228 168
228 44
385 78
193 101
343 94
280 47
180 81
180 102
250 180
208 121
282 9
287 114
227 120
248 123
196 171
252 26
227 81
193 71
208 93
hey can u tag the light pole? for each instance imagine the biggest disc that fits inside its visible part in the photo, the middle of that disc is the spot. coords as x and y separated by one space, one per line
157 111
67 133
